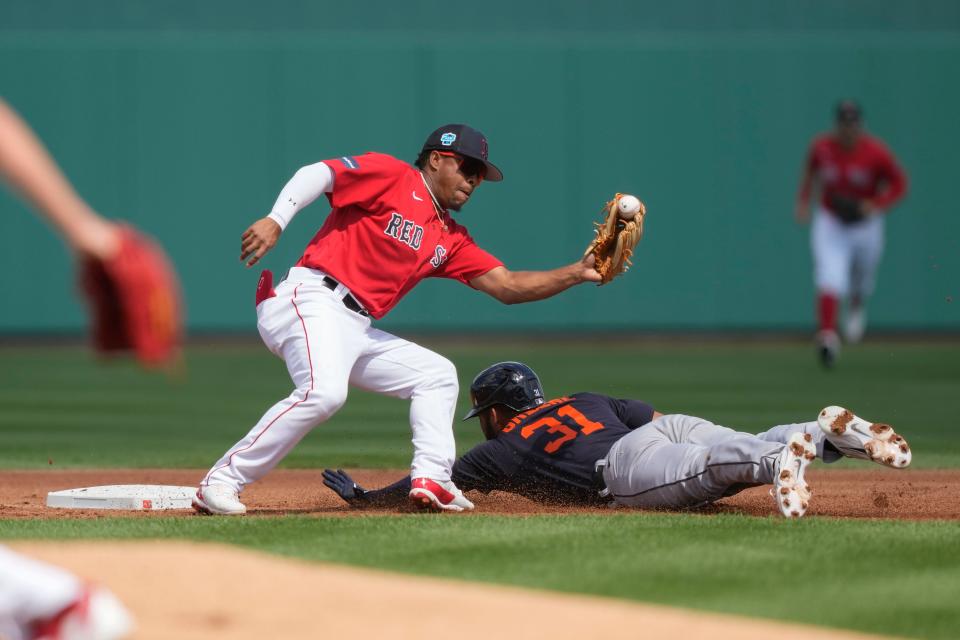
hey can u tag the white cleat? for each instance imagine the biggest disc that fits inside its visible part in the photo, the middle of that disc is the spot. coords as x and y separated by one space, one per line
218 499
790 490
855 325
856 438
438 496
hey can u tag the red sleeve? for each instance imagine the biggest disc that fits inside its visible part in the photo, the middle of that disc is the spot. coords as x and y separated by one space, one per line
894 178
361 180
468 261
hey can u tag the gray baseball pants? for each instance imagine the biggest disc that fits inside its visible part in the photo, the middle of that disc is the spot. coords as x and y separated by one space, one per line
681 461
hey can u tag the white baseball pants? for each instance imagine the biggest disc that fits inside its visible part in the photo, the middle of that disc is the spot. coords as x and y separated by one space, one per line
846 256
328 347
680 461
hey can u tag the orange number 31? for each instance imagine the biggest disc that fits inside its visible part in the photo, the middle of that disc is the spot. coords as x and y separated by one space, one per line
555 426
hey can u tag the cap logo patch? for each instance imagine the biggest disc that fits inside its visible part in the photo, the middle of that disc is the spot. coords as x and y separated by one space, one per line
483 148
448 139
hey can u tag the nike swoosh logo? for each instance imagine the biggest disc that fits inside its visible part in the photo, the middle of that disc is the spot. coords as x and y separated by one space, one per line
414 194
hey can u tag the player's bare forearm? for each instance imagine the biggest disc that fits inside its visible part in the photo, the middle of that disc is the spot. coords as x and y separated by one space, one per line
514 287
31 171
528 286
807 185
258 239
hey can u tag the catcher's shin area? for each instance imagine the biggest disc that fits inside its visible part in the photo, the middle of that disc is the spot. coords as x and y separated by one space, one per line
617 236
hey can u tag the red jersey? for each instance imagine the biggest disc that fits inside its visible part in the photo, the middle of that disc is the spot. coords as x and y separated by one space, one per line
384 234
867 171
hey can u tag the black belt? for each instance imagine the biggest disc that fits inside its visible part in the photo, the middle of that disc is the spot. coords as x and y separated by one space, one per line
348 300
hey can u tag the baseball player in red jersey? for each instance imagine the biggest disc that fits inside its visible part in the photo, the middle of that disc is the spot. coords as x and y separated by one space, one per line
859 181
390 227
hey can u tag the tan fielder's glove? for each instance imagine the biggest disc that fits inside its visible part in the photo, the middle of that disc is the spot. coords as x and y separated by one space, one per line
617 236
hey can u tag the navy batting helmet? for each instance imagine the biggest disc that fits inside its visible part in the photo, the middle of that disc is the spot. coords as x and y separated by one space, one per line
512 384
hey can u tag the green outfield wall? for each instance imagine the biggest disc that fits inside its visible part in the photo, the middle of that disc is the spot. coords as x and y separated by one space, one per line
188 117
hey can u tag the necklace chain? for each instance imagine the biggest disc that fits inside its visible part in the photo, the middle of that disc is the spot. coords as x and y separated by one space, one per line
436 204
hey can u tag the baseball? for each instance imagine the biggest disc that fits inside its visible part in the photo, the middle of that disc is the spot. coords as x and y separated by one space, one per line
628 206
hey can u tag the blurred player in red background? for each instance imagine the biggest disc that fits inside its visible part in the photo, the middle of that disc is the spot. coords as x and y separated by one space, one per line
859 181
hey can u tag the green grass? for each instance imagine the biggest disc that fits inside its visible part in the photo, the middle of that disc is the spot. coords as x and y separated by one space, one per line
886 577
60 405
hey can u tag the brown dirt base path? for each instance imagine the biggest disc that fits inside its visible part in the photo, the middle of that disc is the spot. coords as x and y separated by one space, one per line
178 590
879 493
174 591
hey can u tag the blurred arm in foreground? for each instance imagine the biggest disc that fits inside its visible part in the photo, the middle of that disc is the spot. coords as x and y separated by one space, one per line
131 287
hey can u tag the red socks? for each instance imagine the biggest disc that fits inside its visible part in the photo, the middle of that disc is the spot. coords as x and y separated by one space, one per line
827 310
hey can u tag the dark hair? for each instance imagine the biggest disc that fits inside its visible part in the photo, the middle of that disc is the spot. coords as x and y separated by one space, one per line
848 111
421 162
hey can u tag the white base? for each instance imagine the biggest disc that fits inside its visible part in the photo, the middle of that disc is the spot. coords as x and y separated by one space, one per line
139 497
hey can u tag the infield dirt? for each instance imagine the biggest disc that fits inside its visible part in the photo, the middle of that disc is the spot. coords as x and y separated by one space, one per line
880 493
173 591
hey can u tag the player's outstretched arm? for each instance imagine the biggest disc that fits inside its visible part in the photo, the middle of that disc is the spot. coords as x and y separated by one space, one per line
29 168
513 287
343 485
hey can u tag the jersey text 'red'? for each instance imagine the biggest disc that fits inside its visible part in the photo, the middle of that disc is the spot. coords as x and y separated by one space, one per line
548 453
384 234
867 171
